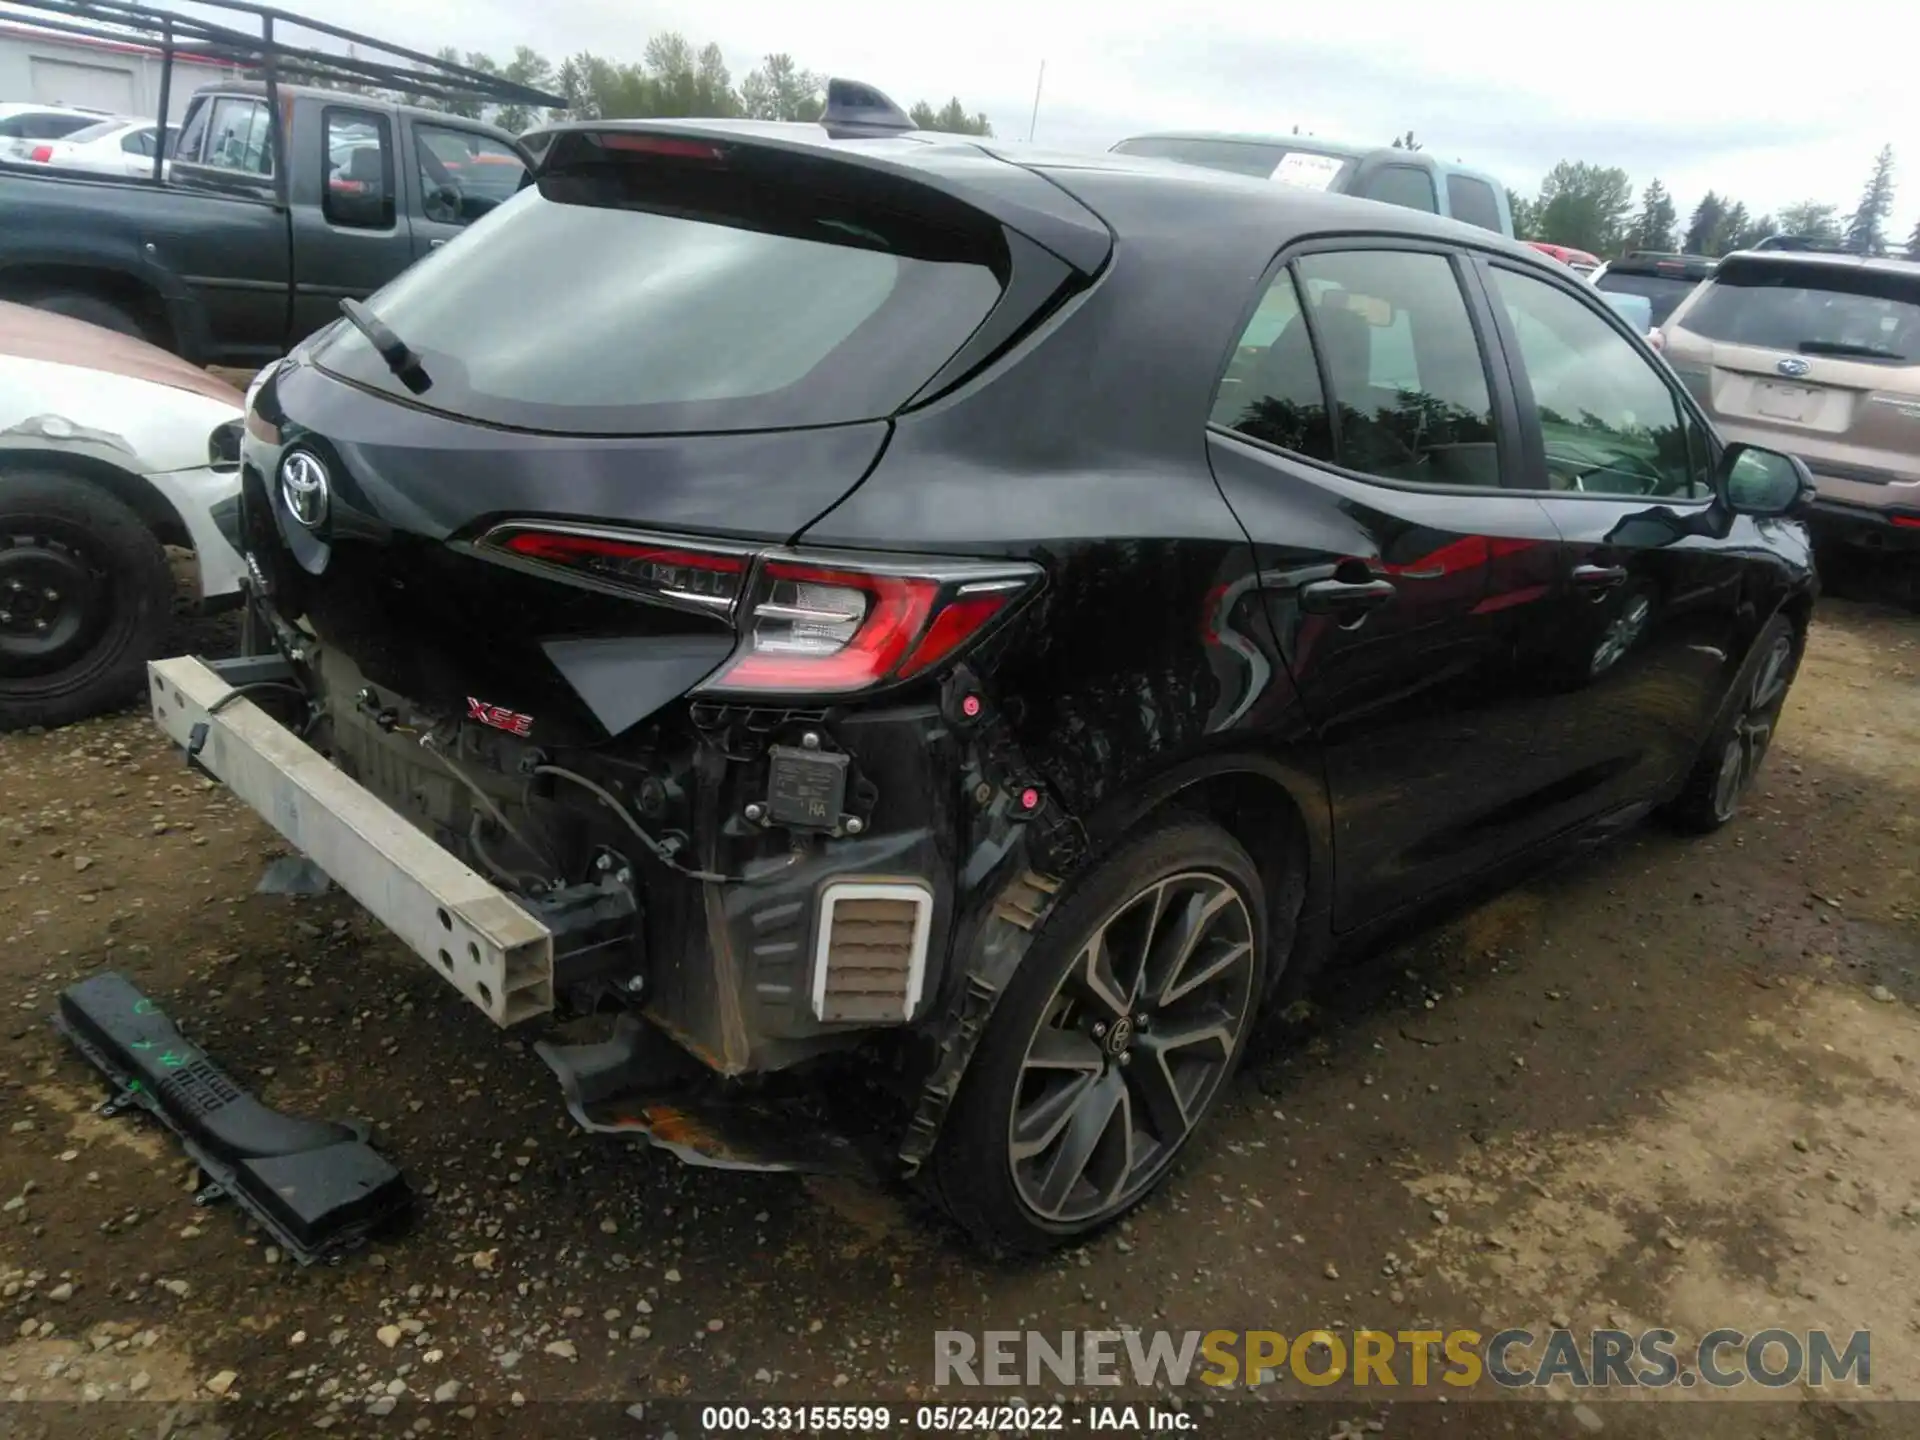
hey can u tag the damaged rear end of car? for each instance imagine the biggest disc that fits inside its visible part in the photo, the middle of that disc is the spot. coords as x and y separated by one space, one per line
559 690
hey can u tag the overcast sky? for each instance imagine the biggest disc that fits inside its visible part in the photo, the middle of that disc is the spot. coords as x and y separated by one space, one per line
1765 105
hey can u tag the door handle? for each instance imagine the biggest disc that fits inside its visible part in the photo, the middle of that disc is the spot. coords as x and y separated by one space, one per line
435 244
1349 598
1599 577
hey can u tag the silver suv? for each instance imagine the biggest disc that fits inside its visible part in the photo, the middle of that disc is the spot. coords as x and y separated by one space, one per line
1816 354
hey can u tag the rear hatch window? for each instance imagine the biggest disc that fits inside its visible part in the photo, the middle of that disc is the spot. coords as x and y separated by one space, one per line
1853 312
1663 292
649 284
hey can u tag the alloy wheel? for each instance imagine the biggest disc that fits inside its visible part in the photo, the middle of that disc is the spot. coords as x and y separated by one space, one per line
1753 727
1131 1047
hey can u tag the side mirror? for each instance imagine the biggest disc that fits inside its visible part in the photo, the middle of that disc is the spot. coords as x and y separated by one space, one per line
1754 481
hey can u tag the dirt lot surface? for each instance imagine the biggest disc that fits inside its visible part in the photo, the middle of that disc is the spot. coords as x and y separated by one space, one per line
1669 1083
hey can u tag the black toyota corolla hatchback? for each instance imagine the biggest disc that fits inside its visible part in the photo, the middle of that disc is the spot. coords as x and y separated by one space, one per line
910 621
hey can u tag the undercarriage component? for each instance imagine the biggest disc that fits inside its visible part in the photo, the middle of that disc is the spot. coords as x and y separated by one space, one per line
639 1082
481 941
315 1186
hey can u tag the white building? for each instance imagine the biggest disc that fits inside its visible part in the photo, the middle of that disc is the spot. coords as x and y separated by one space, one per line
53 69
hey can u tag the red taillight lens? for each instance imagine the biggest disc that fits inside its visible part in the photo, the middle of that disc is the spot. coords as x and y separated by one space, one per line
826 630
657 569
809 624
41 154
1908 522
812 629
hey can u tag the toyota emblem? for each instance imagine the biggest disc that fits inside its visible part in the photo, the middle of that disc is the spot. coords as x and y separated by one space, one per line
305 488
1792 367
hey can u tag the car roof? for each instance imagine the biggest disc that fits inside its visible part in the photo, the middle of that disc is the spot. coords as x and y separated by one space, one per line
346 97
1828 260
1249 217
29 107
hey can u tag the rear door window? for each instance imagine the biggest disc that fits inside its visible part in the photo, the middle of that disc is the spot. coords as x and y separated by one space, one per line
711 287
1852 311
1390 335
1408 378
1272 391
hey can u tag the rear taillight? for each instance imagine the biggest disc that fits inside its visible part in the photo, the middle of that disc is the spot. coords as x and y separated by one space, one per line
692 577
809 624
837 625
41 154
1907 522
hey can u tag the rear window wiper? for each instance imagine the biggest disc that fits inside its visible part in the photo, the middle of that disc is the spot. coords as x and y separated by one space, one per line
401 359
1842 347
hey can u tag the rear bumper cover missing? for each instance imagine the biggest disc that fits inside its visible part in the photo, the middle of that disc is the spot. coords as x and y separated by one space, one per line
471 932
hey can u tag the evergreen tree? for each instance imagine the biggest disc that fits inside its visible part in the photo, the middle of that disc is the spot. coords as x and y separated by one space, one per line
1653 226
1867 228
1705 224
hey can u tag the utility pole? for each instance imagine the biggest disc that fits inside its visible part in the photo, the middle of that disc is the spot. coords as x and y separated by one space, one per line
1035 118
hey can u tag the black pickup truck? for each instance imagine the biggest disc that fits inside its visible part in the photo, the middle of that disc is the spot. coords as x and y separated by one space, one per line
230 261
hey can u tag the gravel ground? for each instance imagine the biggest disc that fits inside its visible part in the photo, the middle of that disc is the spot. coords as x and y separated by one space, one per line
1669 1082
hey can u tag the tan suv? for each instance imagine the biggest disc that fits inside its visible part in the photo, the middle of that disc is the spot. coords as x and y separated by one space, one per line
1816 354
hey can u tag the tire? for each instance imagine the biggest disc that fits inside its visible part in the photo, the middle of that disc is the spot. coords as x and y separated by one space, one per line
1061 1065
94 309
1734 751
85 598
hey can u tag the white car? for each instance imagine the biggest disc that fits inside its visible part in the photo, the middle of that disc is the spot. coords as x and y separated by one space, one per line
110 449
118 146
23 120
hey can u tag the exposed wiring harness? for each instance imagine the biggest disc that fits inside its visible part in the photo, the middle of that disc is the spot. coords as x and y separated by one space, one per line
657 848
253 687
487 803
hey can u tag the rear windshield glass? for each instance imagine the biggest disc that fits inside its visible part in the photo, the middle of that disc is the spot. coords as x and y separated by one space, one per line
643 294
1291 163
1664 292
96 132
1812 309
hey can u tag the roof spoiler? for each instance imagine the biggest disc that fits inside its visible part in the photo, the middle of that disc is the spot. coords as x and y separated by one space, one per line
855 110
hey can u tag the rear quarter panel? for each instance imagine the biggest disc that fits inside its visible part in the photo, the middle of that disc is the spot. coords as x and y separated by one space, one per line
1084 449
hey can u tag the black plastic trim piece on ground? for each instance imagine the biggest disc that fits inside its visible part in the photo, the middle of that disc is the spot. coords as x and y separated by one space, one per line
316 1186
